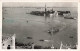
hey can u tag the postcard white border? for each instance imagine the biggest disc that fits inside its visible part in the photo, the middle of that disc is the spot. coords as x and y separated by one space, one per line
78 1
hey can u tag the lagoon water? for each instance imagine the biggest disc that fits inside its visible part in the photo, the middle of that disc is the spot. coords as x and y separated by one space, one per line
16 22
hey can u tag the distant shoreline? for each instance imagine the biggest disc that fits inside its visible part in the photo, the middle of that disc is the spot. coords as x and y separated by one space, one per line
39 7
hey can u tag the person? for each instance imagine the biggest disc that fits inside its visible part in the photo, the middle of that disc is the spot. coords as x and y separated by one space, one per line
8 47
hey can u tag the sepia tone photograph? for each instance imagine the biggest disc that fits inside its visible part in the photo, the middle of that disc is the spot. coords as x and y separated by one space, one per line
39 25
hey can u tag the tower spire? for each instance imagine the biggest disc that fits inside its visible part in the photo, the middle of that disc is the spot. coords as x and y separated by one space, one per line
45 12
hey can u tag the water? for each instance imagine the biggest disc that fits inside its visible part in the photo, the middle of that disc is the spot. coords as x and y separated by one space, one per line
16 22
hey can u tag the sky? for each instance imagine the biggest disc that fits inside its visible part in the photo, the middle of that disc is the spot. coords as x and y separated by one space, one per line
40 4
